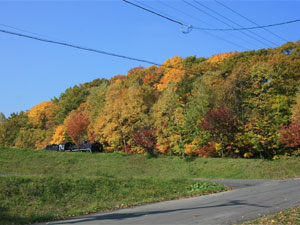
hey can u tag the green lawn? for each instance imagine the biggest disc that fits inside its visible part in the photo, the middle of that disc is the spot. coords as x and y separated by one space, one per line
44 185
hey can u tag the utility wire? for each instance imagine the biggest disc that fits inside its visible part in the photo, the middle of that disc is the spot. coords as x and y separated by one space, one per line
185 29
26 31
183 12
76 46
155 13
203 31
160 12
203 11
182 24
251 21
95 50
216 18
237 25
249 28
215 29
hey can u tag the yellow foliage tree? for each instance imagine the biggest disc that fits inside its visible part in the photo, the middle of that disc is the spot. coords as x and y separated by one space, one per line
172 74
296 110
59 135
107 127
220 57
43 114
124 111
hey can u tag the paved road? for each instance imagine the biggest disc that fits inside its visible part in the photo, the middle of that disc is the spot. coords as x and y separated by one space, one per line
250 199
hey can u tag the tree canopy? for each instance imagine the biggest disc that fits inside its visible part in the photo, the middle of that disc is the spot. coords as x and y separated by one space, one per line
236 104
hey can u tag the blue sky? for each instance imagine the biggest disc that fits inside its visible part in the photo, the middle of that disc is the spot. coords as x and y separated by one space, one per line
32 71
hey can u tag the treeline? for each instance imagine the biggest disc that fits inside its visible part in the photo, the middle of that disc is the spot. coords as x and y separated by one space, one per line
233 105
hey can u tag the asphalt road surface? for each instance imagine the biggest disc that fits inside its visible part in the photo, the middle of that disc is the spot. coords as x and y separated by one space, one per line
249 200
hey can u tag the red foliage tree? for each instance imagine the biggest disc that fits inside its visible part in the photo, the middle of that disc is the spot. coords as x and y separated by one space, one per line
207 151
146 139
290 135
77 127
221 123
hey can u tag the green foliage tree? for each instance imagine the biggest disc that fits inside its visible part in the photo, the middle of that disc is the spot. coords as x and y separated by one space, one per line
2 117
10 129
168 116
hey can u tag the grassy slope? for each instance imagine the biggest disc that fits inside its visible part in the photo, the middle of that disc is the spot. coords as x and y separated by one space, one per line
32 199
68 164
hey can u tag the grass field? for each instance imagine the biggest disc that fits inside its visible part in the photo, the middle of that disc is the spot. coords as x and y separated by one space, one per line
38 185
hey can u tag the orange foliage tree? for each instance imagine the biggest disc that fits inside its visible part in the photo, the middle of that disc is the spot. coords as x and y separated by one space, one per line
117 79
153 75
77 125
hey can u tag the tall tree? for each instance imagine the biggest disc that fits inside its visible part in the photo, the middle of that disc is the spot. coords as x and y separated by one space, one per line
168 116
77 126
222 124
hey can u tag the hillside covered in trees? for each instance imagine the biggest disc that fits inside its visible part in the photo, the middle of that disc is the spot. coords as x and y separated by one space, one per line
229 105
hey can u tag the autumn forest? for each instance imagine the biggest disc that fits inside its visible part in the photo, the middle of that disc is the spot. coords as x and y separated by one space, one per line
237 104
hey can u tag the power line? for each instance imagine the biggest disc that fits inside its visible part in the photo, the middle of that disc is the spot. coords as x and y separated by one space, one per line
95 50
237 25
26 31
216 18
160 12
249 28
215 29
205 32
178 10
182 24
155 13
197 8
264 27
184 28
76 46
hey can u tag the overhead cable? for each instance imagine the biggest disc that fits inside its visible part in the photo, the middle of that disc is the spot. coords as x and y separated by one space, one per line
205 32
185 28
215 29
224 17
203 11
26 31
249 28
251 21
95 50
158 14
78 47
216 18
188 28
